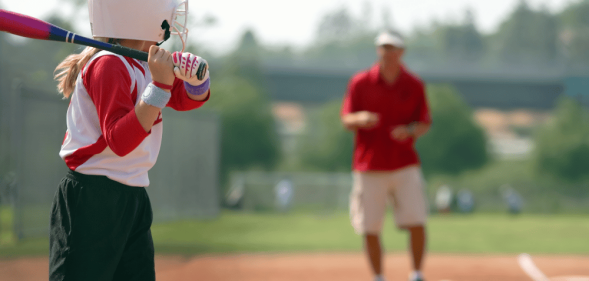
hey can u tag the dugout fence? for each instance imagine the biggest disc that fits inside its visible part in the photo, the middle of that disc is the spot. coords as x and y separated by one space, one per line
286 191
184 181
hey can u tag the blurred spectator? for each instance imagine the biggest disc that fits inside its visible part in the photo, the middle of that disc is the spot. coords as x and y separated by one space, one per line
512 199
284 191
235 194
444 199
465 201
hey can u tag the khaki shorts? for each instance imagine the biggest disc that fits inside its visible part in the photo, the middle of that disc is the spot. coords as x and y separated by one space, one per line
404 189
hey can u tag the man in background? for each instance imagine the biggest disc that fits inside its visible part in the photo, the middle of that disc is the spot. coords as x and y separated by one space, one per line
387 109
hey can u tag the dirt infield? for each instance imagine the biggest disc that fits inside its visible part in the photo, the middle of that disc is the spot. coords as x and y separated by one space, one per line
340 267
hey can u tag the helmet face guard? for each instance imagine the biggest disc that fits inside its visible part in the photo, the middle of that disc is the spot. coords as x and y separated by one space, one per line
177 28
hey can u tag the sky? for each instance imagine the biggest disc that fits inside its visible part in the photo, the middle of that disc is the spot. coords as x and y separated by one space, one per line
279 22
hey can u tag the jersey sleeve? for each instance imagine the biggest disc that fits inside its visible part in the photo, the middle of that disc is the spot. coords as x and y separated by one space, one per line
350 104
108 84
422 114
180 100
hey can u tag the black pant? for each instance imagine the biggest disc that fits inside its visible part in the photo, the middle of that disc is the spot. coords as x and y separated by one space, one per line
100 230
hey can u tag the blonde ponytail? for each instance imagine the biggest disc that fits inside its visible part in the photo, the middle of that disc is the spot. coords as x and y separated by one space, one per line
69 69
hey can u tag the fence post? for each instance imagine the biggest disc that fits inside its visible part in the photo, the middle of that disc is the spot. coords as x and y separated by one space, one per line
16 153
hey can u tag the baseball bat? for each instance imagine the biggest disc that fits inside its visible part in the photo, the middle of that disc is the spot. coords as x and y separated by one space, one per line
33 28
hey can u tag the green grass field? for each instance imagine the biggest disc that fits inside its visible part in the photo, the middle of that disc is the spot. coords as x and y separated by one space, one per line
6 222
248 232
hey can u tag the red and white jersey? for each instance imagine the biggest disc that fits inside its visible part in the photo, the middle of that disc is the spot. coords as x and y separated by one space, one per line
104 136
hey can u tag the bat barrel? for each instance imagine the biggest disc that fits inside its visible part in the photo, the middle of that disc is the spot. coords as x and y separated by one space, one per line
24 26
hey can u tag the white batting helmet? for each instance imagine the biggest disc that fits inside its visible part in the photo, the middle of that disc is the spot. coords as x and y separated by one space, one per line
149 20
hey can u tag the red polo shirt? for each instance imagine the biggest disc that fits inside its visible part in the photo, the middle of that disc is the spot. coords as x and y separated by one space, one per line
399 103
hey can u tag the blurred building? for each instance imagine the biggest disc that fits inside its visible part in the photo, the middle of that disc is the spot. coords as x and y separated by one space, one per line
510 132
504 91
290 121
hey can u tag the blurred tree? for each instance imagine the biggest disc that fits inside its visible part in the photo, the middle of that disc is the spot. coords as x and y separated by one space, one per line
342 41
354 53
248 135
424 50
575 33
527 37
245 61
562 146
455 143
462 43
326 145
338 25
280 56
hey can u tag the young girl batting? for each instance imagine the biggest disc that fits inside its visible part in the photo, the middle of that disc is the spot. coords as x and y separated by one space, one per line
101 214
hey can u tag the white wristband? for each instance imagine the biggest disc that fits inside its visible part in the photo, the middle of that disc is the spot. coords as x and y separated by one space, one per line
155 96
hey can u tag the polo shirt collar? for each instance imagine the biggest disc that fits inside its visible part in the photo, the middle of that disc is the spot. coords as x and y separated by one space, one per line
375 76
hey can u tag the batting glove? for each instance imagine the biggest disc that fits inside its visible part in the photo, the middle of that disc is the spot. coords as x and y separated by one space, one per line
190 68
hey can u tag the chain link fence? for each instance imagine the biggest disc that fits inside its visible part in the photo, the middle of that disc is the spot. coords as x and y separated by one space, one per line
329 192
270 192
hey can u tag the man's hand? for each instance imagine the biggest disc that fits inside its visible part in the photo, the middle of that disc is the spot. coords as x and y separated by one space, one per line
360 120
366 119
414 130
402 132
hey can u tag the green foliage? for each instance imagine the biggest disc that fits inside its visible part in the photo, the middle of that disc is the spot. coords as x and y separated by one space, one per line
454 143
424 51
562 146
245 60
459 44
347 53
575 25
6 224
575 14
342 41
462 43
326 146
248 135
249 139
527 36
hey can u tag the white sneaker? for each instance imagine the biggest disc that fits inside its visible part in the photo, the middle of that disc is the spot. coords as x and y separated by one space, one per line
416 276
379 278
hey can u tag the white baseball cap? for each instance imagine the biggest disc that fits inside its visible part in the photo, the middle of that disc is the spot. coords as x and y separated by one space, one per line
390 38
